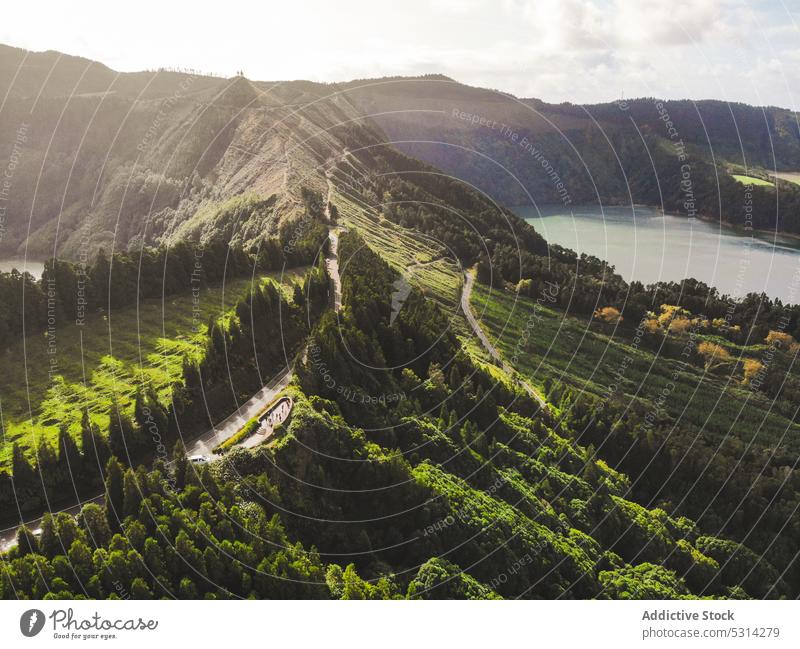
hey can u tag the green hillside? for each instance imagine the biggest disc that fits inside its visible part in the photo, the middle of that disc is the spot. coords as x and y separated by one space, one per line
697 437
476 414
463 488
109 358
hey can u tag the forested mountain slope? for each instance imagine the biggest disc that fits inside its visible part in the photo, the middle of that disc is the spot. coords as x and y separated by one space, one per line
460 488
104 159
674 154
100 159
412 464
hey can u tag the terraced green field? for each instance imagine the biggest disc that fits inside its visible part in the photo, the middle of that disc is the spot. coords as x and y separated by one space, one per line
544 344
751 180
108 358
425 263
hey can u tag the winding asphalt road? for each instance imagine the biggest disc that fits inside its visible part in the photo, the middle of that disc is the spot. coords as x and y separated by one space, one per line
466 293
8 536
204 444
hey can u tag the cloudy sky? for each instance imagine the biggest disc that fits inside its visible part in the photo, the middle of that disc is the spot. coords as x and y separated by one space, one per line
557 50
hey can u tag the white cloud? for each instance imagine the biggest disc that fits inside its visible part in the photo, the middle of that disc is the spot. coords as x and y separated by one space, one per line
578 50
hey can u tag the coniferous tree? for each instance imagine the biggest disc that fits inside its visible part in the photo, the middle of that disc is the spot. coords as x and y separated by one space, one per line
121 439
49 543
132 496
26 541
68 453
21 468
94 447
114 492
179 464
48 468
94 523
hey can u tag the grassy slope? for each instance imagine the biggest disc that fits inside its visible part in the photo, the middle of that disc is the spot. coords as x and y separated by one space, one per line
791 176
108 357
562 348
428 263
752 180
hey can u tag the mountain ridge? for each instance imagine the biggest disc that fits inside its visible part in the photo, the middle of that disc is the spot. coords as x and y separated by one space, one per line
118 160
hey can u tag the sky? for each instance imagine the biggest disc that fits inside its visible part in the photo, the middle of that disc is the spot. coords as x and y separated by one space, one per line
557 50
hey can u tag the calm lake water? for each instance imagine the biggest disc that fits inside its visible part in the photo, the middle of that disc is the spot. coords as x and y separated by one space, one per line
649 246
35 268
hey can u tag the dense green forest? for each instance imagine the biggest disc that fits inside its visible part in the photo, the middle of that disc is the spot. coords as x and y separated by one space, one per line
240 353
459 487
409 466
70 291
703 427
238 357
680 156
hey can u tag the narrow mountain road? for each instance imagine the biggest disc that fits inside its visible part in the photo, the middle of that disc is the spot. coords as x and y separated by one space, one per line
8 536
204 444
466 294
332 264
201 446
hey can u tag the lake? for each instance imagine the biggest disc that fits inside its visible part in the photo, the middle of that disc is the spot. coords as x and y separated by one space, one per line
35 268
650 246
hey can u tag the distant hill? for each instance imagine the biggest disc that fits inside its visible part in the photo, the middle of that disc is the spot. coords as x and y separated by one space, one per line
675 154
101 159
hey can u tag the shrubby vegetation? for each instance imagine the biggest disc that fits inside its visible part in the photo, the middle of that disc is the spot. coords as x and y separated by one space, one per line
703 427
509 251
240 354
434 475
69 292
469 468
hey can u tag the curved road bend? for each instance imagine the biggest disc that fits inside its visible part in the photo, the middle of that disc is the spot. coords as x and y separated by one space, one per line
8 536
202 445
466 293
205 443
332 264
